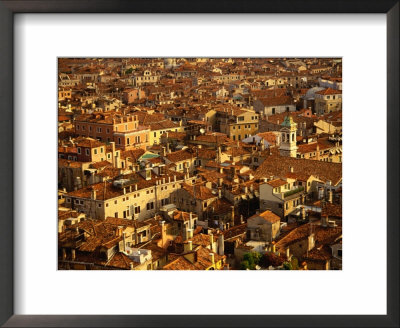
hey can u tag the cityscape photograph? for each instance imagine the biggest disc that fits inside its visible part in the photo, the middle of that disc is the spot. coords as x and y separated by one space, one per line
199 163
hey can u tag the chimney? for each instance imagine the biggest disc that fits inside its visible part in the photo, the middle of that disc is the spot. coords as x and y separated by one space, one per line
241 219
189 233
324 221
93 194
124 190
190 220
303 212
189 246
291 169
163 233
73 254
330 196
131 265
219 193
233 215
212 258
273 247
113 154
221 245
124 240
211 242
164 151
148 173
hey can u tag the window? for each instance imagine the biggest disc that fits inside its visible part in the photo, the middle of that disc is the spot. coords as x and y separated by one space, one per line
137 209
68 200
108 130
99 205
115 201
339 252
155 134
101 149
150 206
77 127
95 151
119 141
106 204
99 130
87 152
127 141
116 214
83 127
79 150
90 128
108 156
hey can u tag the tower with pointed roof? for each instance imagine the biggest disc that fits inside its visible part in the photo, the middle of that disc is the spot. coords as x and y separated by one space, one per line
288 145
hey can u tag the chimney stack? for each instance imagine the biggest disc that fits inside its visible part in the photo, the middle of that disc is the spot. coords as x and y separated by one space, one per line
221 245
93 194
330 196
191 220
163 233
212 258
303 212
211 242
324 221
124 240
273 247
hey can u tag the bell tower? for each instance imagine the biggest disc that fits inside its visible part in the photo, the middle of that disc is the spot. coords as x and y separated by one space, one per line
288 145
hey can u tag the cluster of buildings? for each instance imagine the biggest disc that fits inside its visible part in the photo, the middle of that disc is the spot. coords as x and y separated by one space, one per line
199 163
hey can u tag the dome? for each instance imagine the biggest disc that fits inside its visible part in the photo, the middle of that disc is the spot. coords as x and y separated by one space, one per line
310 94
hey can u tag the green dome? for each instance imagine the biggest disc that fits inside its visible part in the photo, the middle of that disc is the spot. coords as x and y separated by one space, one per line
288 121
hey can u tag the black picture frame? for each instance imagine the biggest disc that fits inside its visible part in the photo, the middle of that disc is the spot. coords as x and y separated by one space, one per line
7 11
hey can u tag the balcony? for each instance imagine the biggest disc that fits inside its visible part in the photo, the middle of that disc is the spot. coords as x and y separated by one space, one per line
293 192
